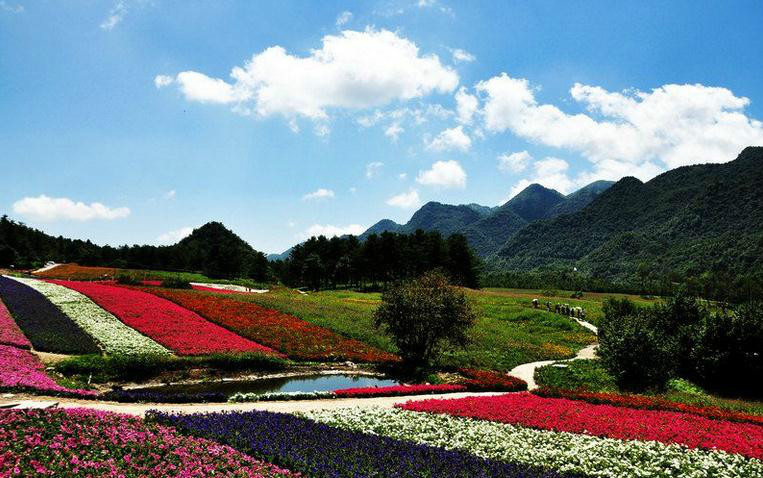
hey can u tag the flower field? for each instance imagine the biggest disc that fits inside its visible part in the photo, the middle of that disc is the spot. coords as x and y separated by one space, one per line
10 333
21 370
172 326
604 420
82 443
579 454
397 390
322 451
648 403
113 336
294 337
46 327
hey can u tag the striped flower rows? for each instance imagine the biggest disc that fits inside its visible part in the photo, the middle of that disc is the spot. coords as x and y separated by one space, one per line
10 333
560 451
21 370
113 336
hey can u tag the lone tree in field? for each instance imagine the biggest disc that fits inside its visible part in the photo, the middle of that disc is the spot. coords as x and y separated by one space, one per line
424 316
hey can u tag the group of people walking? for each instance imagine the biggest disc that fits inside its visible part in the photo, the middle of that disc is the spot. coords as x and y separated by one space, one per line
563 309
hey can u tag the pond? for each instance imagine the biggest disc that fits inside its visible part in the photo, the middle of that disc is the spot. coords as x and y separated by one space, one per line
300 383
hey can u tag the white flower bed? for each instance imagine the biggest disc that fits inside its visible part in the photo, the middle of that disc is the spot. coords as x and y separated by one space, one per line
277 396
111 334
566 452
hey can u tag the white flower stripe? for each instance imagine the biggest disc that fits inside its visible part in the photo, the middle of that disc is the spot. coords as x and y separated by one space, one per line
566 452
111 334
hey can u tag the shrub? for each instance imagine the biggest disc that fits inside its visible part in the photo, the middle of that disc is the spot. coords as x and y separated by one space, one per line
728 353
633 348
176 283
126 279
424 317
578 374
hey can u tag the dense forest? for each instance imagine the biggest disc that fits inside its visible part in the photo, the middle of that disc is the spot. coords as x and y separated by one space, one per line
380 259
211 249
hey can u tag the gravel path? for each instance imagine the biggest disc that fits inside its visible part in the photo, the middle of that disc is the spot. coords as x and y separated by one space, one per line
46 268
527 371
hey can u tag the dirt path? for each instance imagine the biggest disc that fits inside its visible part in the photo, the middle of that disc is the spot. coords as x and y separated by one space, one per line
140 409
527 371
46 268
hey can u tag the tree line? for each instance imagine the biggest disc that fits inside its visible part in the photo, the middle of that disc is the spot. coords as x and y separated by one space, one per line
321 263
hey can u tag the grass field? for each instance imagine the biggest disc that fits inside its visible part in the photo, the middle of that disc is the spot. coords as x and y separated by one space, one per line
508 331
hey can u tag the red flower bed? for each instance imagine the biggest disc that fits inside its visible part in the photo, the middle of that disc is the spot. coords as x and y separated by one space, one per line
10 333
295 337
529 410
489 381
648 403
396 390
167 323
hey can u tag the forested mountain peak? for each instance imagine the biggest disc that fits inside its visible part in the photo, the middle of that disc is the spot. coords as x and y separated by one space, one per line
534 202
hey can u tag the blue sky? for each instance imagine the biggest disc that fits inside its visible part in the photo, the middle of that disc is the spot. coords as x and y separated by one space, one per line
133 121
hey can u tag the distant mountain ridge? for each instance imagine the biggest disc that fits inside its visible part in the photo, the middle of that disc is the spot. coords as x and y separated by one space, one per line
488 228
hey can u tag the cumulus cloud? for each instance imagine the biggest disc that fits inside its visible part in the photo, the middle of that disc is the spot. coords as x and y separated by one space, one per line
373 169
393 131
343 18
160 81
171 237
116 15
320 193
330 230
514 162
43 208
466 106
462 56
631 132
451 139
446 174
351 70
11 8
407 200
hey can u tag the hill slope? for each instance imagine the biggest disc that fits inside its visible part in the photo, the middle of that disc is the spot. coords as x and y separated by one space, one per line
687 220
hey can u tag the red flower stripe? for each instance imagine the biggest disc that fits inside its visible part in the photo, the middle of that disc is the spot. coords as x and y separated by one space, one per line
489 381
10 333
396 390
297 338
648 403
169 324
529 410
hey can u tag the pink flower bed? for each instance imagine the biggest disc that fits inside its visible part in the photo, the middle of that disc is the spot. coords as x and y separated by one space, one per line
573 416
85 443
21 370
396 390
10 333
176 328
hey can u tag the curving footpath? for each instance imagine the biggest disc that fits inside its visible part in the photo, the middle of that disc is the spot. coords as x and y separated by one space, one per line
526 371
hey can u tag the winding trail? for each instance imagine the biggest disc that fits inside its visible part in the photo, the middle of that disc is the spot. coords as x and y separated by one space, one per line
526 371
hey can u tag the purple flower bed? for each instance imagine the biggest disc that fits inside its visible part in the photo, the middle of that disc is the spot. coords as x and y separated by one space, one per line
46 327
10 333
20 370
321 451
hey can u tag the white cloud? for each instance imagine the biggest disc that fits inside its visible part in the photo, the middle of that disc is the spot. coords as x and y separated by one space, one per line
160 81
7 7
116 15
343 18
43 208
462 56
171 194
318 194
352 70
451 139
447 174
466 105
172 237
633 132
353 190
373 169
393 131
330 230
402 176
407 200
514 162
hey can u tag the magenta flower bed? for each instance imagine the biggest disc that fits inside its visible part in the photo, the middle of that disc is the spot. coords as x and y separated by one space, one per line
21 370
623 423
167 323
397 390
10 333
85 443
